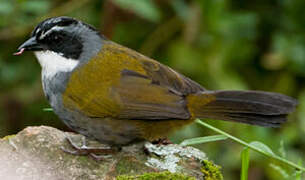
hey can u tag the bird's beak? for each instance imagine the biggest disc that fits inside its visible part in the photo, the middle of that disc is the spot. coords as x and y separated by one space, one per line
29 45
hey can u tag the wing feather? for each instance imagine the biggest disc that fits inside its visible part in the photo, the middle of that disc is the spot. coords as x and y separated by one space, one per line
124 84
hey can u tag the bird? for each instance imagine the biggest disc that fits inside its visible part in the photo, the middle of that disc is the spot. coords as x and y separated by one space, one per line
117 96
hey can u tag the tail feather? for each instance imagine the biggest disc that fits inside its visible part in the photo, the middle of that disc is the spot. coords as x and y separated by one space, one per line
253 119
251 107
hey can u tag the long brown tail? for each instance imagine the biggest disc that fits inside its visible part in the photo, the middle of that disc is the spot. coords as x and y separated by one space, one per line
251 107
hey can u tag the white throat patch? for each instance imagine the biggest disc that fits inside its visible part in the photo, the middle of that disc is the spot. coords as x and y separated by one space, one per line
53 63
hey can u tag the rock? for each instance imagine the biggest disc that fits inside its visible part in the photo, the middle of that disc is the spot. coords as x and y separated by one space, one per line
35 153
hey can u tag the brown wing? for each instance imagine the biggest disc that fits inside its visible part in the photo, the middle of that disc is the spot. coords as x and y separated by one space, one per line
124 84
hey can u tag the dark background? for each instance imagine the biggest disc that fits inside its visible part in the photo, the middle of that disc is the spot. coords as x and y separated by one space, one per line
222 44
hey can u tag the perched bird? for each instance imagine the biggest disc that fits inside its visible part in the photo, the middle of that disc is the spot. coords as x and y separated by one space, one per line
117 96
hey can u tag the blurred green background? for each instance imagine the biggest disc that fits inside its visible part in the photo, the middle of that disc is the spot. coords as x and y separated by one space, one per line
222 44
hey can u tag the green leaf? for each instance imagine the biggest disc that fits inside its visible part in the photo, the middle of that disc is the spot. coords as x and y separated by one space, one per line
244 163
262 147
181 8
201 140
35 6
6 7
143 8
47 109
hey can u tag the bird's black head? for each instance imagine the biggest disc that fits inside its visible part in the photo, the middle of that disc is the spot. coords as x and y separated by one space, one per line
65 36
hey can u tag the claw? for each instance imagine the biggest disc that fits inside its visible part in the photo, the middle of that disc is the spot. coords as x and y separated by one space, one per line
99 157
76 152
84 150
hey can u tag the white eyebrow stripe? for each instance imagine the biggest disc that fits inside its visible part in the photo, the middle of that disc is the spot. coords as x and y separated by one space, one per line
37 31
55 28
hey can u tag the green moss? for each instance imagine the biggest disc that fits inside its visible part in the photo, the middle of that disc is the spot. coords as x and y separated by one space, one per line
130 164
8 137
157 176
211 171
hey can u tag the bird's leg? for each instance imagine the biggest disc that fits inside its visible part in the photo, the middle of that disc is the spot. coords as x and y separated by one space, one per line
84 150
162 141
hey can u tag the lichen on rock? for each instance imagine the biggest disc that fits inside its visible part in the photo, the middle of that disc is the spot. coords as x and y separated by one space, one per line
171 156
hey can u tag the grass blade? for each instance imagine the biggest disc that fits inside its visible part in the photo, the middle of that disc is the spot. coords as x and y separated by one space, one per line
244 164
200 140
282 149
280 159
280 170
47 109
146 9
298 175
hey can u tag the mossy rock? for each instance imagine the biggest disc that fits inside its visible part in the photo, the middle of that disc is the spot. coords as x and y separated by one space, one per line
211 171
35 153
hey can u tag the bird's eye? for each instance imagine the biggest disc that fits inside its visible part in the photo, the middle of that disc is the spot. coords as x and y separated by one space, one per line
57 38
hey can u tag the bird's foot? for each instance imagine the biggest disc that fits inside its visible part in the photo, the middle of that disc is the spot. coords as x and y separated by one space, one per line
84 150
162 141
